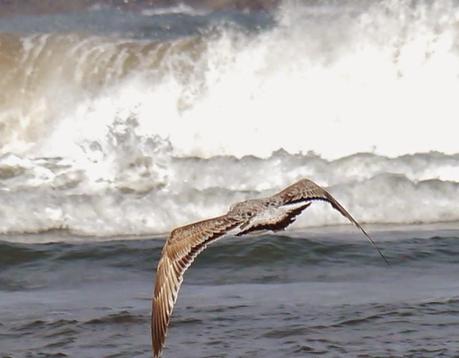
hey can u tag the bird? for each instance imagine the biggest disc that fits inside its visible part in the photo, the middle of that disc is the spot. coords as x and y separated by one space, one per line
185 243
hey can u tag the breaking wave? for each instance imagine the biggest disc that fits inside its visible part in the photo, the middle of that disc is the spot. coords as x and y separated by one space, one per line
104 134
150 191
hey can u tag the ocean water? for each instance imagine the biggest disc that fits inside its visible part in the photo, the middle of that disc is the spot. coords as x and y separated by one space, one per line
120 121
310 293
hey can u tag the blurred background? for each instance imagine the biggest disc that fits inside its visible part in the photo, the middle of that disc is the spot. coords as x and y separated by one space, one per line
127 117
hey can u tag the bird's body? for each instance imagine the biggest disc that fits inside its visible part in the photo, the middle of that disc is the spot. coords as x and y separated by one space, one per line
185 243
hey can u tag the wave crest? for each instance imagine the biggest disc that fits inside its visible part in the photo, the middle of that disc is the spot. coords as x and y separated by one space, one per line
151 191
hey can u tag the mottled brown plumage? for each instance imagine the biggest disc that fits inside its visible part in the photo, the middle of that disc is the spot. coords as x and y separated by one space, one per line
185 243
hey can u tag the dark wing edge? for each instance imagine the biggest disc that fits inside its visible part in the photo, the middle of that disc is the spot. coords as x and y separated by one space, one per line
336 205
182 247
307 190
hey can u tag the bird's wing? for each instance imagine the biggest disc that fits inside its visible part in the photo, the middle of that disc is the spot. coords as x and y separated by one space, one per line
306 190
180 250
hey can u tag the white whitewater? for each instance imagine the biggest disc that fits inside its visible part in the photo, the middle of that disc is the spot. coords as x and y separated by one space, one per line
105 135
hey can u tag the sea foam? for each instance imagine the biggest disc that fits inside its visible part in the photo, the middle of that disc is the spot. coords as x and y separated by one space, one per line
153 194
106 135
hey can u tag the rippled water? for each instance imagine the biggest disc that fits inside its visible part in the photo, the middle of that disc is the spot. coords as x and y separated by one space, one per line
309 293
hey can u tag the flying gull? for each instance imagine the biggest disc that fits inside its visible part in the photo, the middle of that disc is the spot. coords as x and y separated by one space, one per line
185 243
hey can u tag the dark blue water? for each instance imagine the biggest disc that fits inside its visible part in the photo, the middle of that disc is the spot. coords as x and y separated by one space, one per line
316 293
